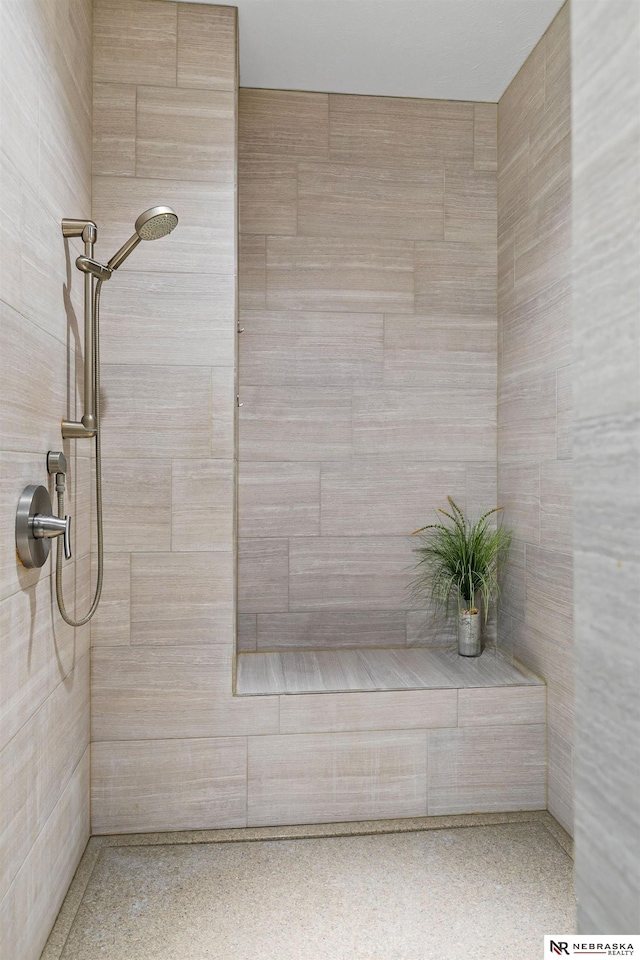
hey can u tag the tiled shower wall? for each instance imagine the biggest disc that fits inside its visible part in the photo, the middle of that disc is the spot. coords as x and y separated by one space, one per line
367 358
606 110
534 398
45 175
169 746
172 748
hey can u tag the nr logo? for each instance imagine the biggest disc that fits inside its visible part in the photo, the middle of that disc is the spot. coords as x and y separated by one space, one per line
562 947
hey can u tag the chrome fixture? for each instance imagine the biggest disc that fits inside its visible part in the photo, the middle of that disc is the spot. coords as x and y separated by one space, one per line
151 225
86 426
36 526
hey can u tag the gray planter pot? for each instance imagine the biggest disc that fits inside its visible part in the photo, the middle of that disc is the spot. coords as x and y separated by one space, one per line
469 630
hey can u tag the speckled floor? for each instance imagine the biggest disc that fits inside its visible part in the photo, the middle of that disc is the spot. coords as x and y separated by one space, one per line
482 892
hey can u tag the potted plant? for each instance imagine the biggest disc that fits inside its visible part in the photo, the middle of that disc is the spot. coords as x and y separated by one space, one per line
458 570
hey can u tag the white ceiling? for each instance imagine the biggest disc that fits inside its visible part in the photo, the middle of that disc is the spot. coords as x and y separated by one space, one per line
440 49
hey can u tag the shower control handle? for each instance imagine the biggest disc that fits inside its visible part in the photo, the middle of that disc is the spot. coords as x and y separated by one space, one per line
43 526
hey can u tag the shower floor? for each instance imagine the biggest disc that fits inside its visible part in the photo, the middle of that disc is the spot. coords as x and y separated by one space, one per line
337 671
475 886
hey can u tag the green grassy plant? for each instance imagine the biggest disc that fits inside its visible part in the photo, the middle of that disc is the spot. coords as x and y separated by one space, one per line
458 561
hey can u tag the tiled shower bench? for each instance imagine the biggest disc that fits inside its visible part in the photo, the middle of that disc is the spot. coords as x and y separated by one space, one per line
366 734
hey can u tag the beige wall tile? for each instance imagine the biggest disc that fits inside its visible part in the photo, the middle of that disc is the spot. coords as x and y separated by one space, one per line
65 136
338 200
223 407
564 413
550 158
34 771
519 494
192 319
279 499
295 423
552 659
263 572
512 581
206 219
521 107
11 228
543 245
470 204
135 42
339 712
423 425
37 653
481 486
185 134
29 909
556 500
394 131
557 86
300 348
79 501
259 675
114 129
349 573
326 629
513 187
485 136
498 706
536 333
429 627
207 43
455 280
146 786
33 369
268 195
327 778
111 625
452 353
150 693
561 780
22 59
495 768
16 471
182 598
549 593
327 273
387 498
252 272
137 505
283 123
247 637
202 494
527 416
149 410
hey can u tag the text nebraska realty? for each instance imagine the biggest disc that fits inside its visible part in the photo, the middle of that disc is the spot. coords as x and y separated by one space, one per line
609 949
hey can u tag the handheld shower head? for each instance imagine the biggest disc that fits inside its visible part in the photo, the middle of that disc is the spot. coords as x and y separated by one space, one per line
151 225
155 223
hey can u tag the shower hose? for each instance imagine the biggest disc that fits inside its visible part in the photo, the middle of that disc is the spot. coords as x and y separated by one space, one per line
96 376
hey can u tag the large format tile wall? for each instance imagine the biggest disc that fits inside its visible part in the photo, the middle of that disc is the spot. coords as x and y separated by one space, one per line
45 175
606 111
534 394
164 723
367 358
172 748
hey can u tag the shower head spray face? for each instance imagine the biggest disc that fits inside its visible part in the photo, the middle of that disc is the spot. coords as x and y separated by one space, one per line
151 225
155 223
